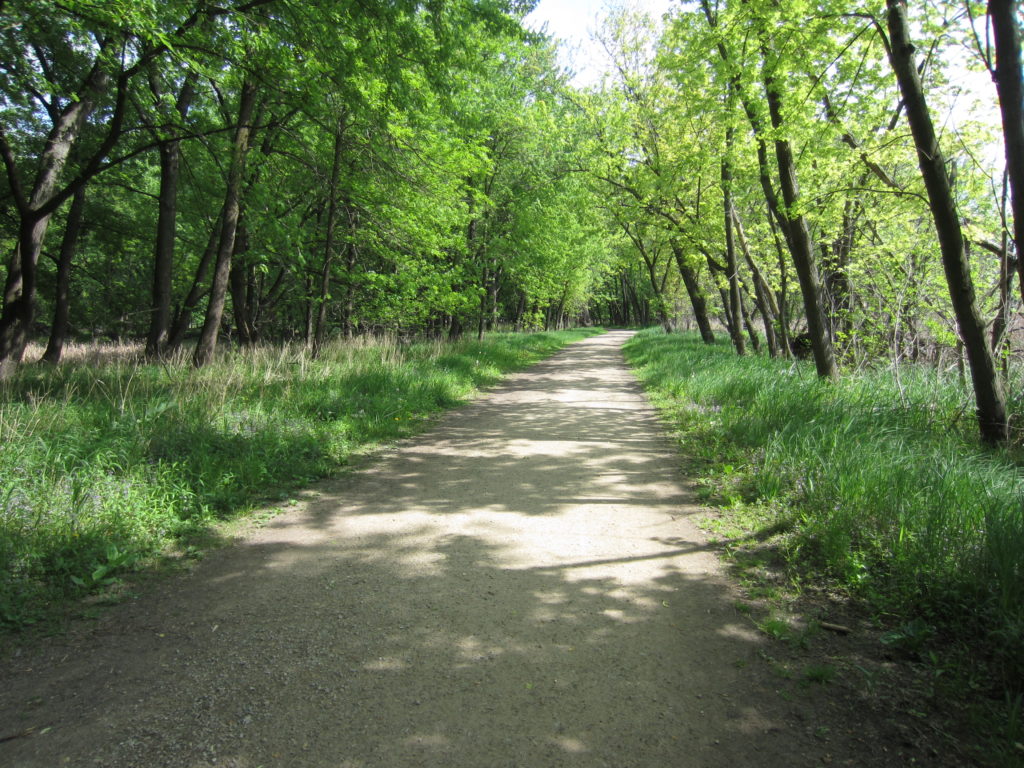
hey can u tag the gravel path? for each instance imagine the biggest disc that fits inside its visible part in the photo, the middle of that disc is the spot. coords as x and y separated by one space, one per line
521 586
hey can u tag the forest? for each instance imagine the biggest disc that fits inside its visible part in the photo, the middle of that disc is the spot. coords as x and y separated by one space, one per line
267 172
267 184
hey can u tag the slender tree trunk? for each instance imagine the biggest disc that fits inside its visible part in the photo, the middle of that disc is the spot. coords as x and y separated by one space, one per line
651 262
733 305
238 284
783 294
836 264
232 206
1001 322
309 326
332 219
166 230
62 300
320 333
801 246
755 342
991 405
181 321
762 292
495 287
1009 86
694 291
483 305
163 261
350 290
520 311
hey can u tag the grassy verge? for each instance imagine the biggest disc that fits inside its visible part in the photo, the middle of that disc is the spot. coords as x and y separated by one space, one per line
874 486
102 466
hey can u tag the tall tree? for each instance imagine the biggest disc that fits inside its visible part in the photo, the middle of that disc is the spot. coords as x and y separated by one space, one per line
991 404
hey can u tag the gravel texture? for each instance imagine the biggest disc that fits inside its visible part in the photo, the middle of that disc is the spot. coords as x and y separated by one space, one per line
521 586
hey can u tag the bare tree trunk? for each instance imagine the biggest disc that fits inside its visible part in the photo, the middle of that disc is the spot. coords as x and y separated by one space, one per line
232 206
495 285
62 301
783 294
181 321
307 336
166 228
762 292
696 294
755 342
332 218
991 405
732 268
1009 86
799 238
34 213
238 284
483 305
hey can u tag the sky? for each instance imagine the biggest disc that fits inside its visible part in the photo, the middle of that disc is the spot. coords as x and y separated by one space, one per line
573 22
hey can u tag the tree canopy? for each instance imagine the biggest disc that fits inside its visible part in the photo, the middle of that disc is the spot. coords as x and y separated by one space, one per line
263 170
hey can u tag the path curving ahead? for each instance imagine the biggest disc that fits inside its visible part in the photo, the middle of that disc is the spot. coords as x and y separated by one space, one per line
521 586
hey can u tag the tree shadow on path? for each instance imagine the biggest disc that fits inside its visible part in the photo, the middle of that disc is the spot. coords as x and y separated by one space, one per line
520 587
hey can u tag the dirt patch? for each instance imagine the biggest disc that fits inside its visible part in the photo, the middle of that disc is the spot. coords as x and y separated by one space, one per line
521 586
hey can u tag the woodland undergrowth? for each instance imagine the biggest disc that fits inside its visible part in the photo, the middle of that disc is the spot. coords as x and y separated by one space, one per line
874 486
104 465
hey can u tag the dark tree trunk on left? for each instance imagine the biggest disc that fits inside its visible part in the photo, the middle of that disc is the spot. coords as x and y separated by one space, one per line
34 212
232 208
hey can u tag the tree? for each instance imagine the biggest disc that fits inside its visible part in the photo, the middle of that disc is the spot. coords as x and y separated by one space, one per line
991 405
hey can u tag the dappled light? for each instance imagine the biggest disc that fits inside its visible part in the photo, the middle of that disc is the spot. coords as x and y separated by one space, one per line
529 593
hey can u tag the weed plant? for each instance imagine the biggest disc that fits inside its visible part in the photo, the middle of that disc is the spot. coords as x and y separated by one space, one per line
879 479
105 464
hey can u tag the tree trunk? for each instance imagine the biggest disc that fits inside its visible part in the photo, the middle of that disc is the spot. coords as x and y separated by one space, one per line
34 216
991 406
1009 86
166 230
696 294
733 306
801 246
307 336
232 205
782 297
238 284
755 342
483 305
181 321
332 219
495 286
62 302
762 292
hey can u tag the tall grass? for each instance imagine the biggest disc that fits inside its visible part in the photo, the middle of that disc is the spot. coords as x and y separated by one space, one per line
105 463
880 480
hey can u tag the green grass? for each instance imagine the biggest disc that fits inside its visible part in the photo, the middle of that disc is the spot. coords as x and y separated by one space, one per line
105 465
873 485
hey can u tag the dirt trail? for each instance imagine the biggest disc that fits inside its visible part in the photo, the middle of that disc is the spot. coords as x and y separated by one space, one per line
521 586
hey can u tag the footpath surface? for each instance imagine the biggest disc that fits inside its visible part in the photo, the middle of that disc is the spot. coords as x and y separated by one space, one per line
521 586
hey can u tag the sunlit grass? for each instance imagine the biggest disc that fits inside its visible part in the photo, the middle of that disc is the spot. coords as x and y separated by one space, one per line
105 460
879 485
